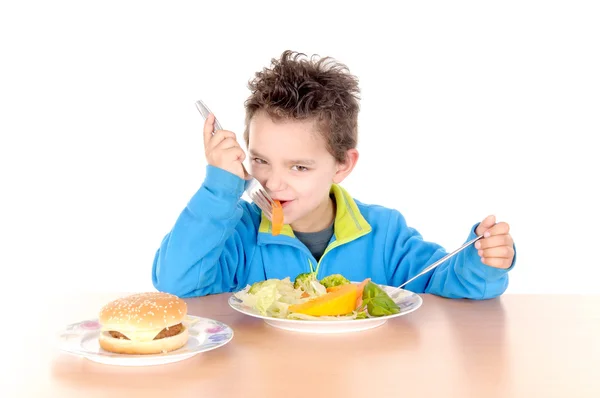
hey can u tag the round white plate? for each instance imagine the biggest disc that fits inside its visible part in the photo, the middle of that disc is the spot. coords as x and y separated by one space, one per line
406 300
81 339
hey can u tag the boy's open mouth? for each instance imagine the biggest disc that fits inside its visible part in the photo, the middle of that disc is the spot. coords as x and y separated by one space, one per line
284 202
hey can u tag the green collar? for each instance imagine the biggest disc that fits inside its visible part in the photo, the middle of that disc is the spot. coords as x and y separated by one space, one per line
349 222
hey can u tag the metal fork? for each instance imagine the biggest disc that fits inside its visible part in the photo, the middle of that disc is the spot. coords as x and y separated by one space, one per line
252 187
441 260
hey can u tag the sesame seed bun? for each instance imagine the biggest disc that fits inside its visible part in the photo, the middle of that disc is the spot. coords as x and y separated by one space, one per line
143 311
143 323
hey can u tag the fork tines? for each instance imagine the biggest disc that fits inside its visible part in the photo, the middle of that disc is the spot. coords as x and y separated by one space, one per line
263 200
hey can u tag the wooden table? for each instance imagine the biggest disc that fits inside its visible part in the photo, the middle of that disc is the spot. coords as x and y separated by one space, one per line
515 346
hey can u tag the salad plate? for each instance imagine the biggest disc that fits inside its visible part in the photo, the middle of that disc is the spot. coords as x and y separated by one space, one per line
406 301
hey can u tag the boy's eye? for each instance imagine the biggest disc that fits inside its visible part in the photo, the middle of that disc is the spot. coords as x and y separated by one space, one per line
260 161
299 168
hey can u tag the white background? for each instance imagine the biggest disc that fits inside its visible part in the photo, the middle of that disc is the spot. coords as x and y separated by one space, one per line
468 109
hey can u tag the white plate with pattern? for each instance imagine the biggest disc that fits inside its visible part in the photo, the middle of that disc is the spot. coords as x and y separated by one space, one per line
406 300
81 339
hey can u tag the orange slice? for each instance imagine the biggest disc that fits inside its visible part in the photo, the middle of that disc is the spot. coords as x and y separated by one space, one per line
277 218
339 302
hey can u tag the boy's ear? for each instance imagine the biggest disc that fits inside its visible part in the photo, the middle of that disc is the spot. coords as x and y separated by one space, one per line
344 169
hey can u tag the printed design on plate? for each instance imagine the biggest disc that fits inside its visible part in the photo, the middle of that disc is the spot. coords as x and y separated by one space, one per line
217 332
215 329
76 330
90 325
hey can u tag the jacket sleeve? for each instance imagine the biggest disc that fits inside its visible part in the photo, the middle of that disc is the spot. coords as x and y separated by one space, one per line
462 276
205 251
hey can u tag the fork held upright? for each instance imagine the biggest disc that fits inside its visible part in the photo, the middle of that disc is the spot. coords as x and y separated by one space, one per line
255 190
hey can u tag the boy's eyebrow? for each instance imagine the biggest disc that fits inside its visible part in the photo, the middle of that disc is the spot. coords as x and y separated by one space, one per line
307 162
254 153
302 161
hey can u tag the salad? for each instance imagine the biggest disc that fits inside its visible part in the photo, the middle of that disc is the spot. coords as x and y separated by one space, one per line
331 298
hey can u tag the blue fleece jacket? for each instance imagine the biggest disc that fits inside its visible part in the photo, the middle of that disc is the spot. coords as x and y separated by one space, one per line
221 243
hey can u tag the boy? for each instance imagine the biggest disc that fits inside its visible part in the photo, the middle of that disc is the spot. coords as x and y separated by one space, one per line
301 135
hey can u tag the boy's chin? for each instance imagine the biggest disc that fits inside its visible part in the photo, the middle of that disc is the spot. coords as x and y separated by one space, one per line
288 220
298 221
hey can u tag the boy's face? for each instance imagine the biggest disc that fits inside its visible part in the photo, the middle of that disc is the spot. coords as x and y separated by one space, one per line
291 161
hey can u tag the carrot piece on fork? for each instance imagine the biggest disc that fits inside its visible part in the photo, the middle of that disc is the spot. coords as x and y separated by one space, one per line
277 218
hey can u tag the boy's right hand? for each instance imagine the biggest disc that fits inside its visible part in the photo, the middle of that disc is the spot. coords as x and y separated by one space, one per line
222 149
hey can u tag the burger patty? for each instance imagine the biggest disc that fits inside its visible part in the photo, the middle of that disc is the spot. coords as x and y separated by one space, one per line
166 332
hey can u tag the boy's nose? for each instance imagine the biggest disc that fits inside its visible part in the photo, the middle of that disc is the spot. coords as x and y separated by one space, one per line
274 182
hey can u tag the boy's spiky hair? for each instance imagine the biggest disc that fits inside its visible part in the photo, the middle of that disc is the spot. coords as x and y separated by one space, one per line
296 87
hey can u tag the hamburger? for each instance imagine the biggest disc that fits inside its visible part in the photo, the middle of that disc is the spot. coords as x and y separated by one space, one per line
143 323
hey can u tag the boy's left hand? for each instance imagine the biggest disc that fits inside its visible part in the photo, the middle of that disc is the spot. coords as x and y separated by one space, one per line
496 247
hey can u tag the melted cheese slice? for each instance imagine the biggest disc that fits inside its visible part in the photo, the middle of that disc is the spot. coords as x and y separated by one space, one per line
140 335
144 335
